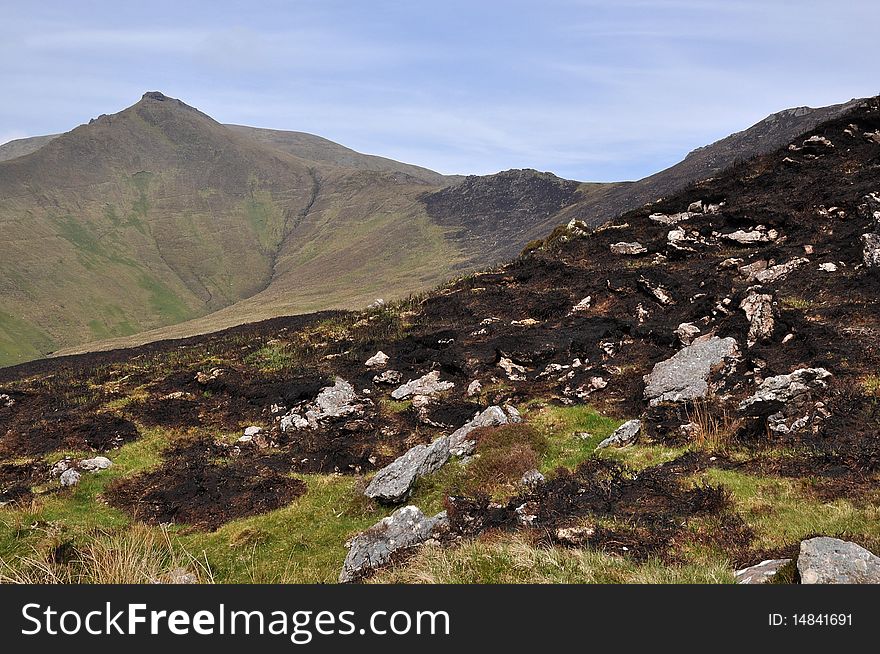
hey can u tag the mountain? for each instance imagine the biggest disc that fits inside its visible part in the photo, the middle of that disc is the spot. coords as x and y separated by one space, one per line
21 147
676 396
159 222
158 214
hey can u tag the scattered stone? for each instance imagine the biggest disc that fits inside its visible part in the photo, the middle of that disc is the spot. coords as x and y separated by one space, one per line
70 477
871 252
761 573
378 360
578 228
752 269
574 536
532 479
94 464
207 377
628 248
389 377
873 136
685 376
758 308
792 390
669 219
405 528
824 560
474 388
6 401
687 332
828 267
494 416
869 208
394 482
696 207
515 372
657 291
759 234
332 402
583 305
253 431
626 434
378 303
776 273
429 384
817 144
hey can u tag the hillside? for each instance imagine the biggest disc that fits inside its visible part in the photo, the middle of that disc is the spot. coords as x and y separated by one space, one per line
683 393
158 222
159 214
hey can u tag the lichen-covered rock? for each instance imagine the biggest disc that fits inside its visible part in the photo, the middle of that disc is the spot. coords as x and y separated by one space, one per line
532 479
332 402
685 376
70 477
389 377
628 248
687 332
776 273
378 360
623 435
785 391
94 464
405 528
394 482
824 560
758 308
429 384
871 250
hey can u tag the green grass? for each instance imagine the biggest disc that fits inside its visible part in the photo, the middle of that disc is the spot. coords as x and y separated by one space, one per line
561 425
21 341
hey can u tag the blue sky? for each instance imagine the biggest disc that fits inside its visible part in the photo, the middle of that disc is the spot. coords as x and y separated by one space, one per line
590 90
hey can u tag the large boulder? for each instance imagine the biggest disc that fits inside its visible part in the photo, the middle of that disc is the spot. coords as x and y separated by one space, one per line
406 528
685 376
785 392
395 482
459 442
824 560
428 385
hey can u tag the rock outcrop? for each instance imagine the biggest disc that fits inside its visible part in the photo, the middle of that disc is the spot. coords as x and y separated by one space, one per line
429 384
404 529
685 376
626 434
826 560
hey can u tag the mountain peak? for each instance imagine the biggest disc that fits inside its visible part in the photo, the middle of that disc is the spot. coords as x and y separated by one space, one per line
156 95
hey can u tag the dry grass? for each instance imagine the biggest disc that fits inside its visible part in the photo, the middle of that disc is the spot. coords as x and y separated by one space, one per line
138 555
714 432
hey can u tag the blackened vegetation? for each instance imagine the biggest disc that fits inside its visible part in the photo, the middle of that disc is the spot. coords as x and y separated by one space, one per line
648 509
523 313
17 479
194 487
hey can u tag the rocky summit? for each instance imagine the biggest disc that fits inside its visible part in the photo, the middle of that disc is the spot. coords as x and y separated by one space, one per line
686 392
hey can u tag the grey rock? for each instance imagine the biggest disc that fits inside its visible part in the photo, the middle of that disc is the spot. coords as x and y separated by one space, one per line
628 248
70 477
623 435
332 402
494 416
474 388
869 209
785 391
871 250
253 430
394 482
758 308
389 377
670 219
826 560
759 234
685 376
6 401
687 332
429 384
514 371
776 273
761 573
406 528
532 479
94 464
378 360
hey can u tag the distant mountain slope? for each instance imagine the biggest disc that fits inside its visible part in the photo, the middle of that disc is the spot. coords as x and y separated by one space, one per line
321 150
21 147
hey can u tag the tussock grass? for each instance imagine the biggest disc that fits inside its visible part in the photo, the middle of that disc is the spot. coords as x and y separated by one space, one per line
714 432
137 555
